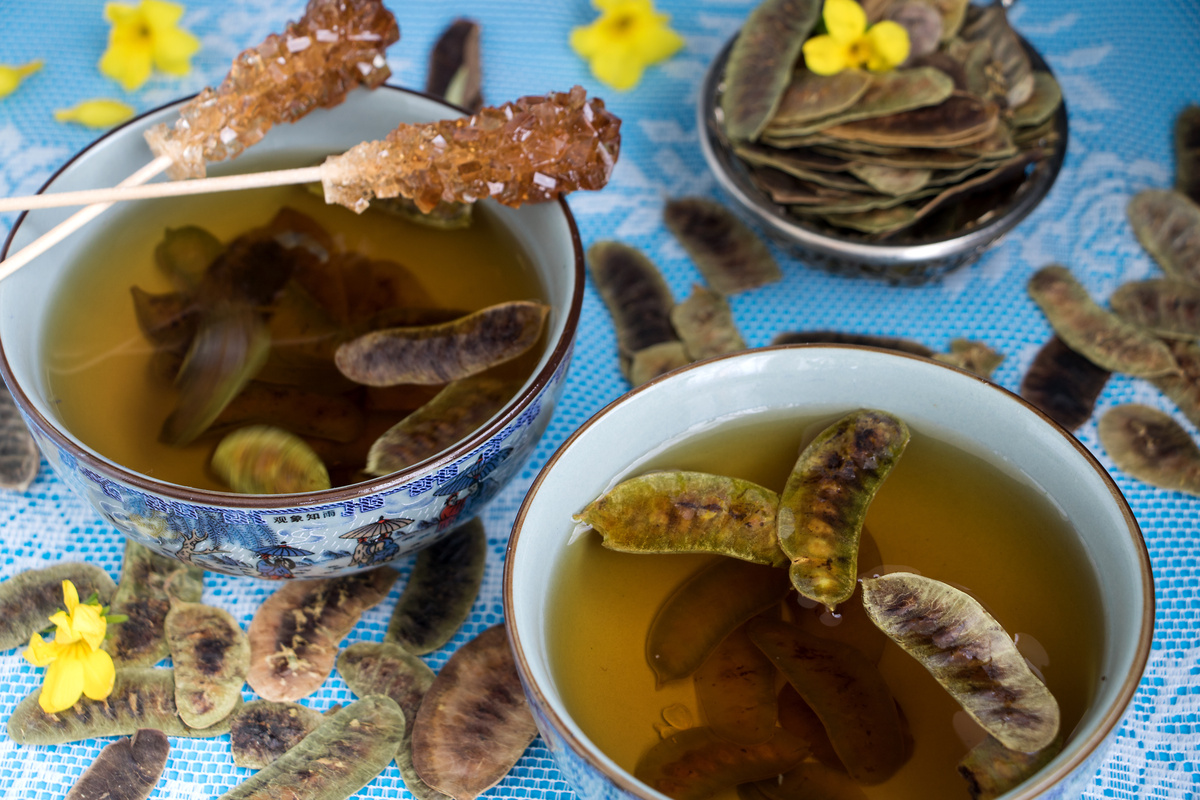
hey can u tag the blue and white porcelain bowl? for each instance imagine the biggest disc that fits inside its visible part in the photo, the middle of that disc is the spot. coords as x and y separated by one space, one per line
302 535
946 403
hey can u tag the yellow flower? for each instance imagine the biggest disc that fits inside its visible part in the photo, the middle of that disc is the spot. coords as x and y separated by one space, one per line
76 664
98 113
850 44
142 36
11 77
627 37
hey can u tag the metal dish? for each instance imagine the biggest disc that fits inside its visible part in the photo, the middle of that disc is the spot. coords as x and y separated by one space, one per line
908 263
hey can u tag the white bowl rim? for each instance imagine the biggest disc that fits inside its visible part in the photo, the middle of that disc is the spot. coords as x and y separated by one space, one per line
1027 790
93 460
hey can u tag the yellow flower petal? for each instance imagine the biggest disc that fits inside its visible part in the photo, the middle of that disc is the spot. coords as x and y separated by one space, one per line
144 36
99 113
627 37
826 56
173 51
160 15
889 46
98 674
65 633
128 62
70 596
11 77
845 20
89 625
617 70
63 684
586 40
658 42
40 652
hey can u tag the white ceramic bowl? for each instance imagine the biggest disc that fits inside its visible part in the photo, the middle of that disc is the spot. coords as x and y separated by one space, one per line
935 400
226 532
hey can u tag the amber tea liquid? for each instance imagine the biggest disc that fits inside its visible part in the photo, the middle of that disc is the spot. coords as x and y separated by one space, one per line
943 512
97 361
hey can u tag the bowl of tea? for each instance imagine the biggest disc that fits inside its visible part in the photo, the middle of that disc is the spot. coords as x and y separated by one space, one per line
826 571
261 383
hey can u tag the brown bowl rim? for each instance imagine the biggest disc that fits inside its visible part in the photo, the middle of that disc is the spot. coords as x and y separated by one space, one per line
1027 790
209 497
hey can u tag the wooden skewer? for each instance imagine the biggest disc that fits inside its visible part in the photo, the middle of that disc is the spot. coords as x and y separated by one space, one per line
117 194
76 221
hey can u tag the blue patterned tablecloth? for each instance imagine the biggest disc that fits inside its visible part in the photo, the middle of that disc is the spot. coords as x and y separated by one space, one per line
1126 69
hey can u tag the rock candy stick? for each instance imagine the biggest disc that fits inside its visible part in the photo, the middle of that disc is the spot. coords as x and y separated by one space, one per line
529 151
336 46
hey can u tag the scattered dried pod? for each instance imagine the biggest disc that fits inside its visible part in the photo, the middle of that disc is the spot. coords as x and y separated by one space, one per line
1041 105
149 583
211 655
760 63
972 356
735 687
19 455
28 598
846 691
1167 223
1099 335
704 610
637 297
455 69
262 459
991 769
127 769
263 730
705 324
731 257
811 780
473 724
340 757
1012 69
295 633
810 96
1183 388
696 764
142 697
867 340
1187 152
688 512
1152 447
453 413
825 501
441 589
655 360
959 120
969 654
1168 307
1063 384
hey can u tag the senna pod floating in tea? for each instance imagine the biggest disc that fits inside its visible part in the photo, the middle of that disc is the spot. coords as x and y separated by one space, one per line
688 512
1063 383
473 724
811 779
262 459
436 354
735 687
695 764
969 654
1167 223
441 589
825 501
991 769
730 256
846 691
263 730
211 656
797 716
341 756
1152 447
142 697
28 598
705 609
295 633
127 769
300 411
1099 335
149 584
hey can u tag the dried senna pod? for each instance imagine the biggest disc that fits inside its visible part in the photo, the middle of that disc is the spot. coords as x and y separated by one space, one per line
695 764
1152 447
262 459
211 656
735 688
656 360
1167 307
1183 388
973 356
127 769
825 501
688 512
1099 335
1187 152
295 633
1063 383
991 769
19 454
731 257
704 322
455 70
263 730
149 584
638 299
1167 223
969 653
474 723
28 598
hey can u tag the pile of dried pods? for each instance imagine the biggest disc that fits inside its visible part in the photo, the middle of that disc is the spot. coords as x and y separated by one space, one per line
839 724
927 149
